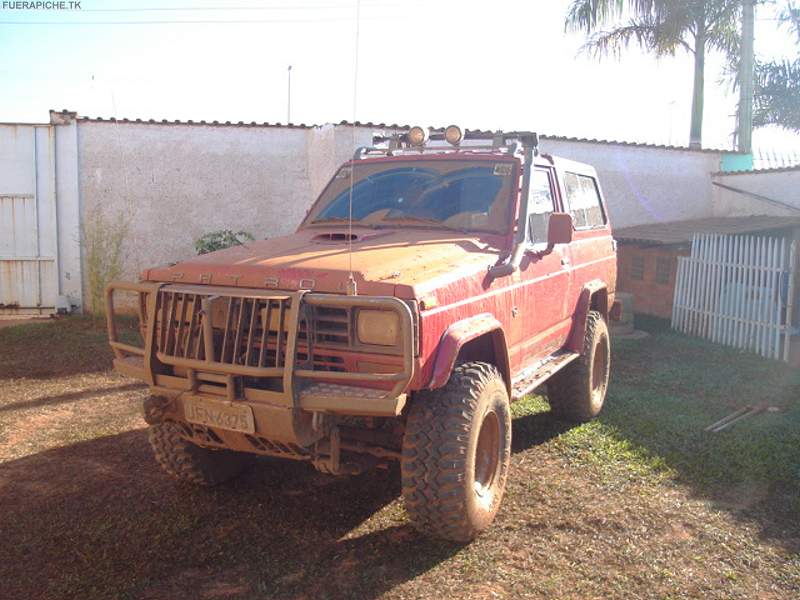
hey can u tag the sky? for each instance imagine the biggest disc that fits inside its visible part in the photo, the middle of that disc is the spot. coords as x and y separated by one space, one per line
504 64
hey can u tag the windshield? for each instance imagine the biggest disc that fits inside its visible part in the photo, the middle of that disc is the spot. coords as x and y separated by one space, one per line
457 194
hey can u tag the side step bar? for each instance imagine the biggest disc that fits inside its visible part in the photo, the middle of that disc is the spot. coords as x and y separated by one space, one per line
537 374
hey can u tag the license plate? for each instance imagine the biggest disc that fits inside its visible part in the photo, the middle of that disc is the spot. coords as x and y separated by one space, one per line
213 413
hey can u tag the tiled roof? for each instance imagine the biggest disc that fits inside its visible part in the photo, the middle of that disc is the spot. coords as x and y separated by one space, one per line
678 232
371 124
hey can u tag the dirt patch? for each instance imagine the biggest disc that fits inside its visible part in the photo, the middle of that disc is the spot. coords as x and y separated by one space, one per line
626 507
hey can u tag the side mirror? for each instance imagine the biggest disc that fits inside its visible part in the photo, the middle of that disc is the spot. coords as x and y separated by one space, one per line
559 229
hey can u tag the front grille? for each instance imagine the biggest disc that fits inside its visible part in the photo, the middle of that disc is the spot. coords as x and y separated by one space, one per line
333 326
246 331
251 332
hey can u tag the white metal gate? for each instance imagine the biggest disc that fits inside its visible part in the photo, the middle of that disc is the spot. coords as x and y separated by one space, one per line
29 278
738 291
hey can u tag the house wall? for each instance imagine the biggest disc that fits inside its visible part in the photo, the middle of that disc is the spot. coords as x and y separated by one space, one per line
643 184
650 296
781 185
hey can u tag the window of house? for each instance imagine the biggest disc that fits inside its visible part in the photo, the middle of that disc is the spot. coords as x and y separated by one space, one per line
540 206
583 198
637 268
663 269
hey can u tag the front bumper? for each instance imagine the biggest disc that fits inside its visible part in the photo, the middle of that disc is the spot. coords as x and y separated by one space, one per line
262 355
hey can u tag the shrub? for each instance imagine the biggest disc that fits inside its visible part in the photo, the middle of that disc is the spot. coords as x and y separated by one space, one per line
103 240
219 240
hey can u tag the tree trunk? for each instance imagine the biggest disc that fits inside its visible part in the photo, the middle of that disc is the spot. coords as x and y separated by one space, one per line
696 131
744 129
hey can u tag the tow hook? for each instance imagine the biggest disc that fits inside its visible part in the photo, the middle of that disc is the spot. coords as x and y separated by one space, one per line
328 457
155 407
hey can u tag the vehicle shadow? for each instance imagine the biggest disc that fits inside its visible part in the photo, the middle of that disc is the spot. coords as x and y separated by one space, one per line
536 429
99 519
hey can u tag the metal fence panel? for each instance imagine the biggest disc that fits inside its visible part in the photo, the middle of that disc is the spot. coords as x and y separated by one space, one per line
737 291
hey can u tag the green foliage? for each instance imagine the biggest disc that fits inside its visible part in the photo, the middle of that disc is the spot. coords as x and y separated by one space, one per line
103 244
658 26
777 83
219 240
661 27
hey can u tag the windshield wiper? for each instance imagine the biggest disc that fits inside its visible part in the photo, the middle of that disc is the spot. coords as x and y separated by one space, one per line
416 219
356 222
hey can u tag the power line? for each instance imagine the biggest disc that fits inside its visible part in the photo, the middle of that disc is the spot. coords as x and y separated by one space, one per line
210 8
193 21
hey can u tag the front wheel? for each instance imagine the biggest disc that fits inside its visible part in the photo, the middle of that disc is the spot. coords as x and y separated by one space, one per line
191 463
456 452
577 392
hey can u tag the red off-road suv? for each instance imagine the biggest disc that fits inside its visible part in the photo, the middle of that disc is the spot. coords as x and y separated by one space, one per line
433 282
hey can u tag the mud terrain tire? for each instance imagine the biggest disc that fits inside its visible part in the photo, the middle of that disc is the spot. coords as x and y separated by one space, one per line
578 391
456 452
191 463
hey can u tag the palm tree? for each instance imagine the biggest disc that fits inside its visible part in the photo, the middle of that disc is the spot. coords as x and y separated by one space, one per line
662 27
777 83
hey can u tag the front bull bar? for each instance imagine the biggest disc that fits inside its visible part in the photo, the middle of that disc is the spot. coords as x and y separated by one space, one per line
303 388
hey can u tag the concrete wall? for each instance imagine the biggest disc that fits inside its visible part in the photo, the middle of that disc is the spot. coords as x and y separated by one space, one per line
172 183
643 184
175 182
757 193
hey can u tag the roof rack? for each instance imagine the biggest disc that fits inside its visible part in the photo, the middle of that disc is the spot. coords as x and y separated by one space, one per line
398 144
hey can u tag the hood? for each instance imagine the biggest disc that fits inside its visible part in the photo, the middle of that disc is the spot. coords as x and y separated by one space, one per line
403 262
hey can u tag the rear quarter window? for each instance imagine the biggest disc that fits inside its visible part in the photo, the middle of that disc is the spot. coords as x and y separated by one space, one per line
583 200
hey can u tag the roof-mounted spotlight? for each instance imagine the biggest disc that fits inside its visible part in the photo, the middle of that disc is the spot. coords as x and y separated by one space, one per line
417 136
453 135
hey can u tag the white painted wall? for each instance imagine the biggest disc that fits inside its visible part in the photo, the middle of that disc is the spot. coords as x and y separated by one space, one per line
644 185
68 210
174 183
738 197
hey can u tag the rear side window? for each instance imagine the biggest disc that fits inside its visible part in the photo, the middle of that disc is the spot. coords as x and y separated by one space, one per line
583 199
540 206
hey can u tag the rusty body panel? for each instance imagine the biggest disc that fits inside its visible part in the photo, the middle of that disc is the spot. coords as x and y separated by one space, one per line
269 325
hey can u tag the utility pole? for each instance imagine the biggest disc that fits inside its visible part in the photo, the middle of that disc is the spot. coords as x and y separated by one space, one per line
744 132
289 96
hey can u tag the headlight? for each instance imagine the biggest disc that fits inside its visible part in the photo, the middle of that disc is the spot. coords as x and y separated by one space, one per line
378 327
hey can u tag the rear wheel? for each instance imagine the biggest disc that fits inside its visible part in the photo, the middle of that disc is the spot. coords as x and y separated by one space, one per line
577 392
456 452
189 462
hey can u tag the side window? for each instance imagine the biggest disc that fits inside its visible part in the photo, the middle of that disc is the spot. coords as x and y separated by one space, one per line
584 201
637 267
540 206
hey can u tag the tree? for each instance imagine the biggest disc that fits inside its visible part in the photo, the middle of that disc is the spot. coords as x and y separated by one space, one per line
776 92
662 27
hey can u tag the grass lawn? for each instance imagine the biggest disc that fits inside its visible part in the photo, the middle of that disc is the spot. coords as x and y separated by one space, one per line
641 503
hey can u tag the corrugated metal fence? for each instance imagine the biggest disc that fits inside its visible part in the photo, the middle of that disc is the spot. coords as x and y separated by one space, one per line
738 291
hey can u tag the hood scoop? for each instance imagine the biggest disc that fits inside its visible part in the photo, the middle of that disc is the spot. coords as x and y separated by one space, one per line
335 237
342 237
